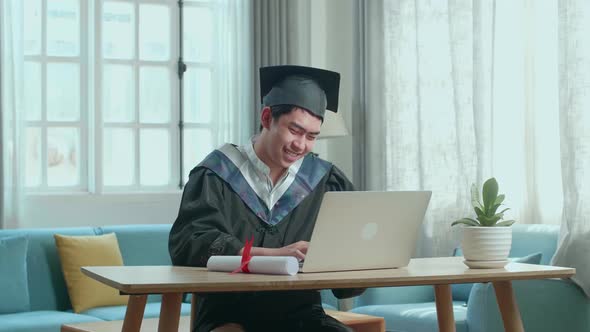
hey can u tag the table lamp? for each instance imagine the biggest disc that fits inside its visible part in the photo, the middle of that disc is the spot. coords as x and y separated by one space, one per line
333 126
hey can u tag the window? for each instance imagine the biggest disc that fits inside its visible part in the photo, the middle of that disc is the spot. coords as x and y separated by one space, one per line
103 97
197 101
138 87
54 98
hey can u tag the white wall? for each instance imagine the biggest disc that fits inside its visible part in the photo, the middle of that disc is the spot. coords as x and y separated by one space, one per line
52 210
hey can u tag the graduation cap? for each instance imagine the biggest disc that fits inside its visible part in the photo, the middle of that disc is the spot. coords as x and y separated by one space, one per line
310 88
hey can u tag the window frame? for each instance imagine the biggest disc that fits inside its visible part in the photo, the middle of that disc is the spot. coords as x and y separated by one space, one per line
90 123
43 59
136 63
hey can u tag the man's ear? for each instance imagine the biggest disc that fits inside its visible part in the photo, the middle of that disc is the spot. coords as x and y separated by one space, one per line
266 117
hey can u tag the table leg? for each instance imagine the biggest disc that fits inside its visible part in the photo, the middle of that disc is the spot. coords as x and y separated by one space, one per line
170 312
134 313
444 308
193 309
508 307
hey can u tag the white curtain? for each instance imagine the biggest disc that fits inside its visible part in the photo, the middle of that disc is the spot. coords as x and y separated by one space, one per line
233 73
461 91
574 75
11 67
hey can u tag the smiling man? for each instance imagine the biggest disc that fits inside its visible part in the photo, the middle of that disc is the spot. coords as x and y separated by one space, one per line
271 189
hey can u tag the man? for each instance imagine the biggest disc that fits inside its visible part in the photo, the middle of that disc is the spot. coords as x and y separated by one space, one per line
270 189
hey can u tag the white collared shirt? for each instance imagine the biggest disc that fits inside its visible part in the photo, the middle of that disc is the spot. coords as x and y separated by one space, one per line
257 173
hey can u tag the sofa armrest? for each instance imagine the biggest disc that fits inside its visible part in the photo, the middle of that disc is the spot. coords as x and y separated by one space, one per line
545 305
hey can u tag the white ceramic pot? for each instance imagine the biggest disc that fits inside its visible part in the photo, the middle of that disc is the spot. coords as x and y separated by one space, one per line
490 244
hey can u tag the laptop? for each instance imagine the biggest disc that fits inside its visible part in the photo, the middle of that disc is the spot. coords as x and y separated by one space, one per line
360 230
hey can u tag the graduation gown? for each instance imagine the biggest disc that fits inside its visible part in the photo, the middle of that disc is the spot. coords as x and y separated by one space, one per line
219 211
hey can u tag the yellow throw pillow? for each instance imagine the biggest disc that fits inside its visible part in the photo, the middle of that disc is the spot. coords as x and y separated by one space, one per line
77 251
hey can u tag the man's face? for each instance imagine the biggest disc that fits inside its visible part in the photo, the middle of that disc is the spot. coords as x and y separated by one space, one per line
289 138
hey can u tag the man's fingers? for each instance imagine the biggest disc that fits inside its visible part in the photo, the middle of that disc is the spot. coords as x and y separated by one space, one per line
299 255
302 246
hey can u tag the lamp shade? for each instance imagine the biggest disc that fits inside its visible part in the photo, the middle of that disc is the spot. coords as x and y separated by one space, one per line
333 126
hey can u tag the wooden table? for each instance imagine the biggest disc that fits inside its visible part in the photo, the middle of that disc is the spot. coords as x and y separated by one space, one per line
148 325
173 281
359 322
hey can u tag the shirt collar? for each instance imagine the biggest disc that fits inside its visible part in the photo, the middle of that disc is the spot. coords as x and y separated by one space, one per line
260 166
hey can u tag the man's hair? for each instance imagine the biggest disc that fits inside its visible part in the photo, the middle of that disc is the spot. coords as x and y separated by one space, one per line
279 110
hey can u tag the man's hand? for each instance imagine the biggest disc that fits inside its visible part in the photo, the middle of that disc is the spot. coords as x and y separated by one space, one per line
297 250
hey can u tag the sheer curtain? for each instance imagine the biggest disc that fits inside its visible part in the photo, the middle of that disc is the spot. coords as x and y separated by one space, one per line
234 75
461 91
574 55
11 67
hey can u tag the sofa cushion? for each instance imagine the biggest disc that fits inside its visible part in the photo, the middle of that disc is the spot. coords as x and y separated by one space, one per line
78 251
414 316
461 291
47 287
41 321
527 238
328 299
394 295
13 275
152 310
142 245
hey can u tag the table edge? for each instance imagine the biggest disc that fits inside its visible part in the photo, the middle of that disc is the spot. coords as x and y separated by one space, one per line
299 284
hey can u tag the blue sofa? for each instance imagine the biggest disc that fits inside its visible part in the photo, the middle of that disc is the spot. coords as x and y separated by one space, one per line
545 305
48 306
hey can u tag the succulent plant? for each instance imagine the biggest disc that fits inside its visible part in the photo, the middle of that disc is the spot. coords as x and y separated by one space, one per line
486 207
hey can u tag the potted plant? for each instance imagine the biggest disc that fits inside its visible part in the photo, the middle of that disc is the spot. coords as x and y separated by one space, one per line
487 238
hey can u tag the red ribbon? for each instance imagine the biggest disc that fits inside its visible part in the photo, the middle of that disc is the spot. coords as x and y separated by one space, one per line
246 257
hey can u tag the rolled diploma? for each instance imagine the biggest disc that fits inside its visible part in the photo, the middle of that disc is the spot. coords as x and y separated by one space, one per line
258 264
